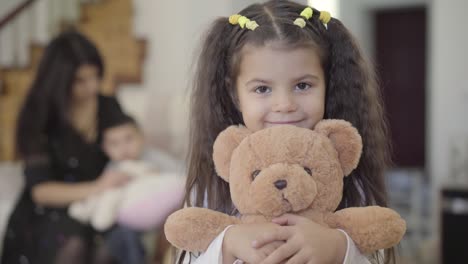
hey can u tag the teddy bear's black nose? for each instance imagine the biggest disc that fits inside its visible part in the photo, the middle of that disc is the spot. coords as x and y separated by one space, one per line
281 184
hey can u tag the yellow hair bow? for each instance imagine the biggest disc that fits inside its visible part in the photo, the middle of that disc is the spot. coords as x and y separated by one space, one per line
300 22
243 22
234 19
307 14
325 17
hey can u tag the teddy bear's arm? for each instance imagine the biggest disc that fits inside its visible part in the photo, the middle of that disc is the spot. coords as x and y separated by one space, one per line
193 228
371 228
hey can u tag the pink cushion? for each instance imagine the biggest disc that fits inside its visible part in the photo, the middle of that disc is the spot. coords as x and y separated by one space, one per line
151 211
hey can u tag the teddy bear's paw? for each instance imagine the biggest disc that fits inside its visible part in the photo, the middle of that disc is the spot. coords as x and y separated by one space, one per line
387 229
193 228
373 227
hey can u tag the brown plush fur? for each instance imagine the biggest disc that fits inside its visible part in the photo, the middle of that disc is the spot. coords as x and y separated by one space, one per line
254 163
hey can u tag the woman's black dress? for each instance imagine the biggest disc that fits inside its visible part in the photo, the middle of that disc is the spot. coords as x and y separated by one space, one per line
34 233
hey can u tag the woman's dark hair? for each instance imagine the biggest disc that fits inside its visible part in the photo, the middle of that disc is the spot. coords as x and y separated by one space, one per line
47 102
352 94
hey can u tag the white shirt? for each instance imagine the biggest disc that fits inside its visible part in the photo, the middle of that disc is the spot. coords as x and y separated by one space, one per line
213 255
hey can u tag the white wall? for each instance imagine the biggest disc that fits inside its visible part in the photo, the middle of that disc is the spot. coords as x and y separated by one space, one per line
448 78
173 30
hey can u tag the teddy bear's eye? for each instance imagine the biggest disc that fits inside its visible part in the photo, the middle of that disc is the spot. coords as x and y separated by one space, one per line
309 171
255 174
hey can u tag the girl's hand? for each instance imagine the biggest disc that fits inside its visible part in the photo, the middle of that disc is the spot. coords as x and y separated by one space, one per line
111 179
306 242
238 239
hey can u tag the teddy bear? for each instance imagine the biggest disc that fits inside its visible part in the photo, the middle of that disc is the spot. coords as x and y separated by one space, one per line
287 169
142 204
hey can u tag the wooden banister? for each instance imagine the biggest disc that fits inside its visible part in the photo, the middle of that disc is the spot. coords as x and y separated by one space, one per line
16 11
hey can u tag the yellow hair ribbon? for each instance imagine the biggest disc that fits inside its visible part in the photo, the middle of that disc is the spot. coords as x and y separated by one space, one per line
300 22
252 25
234 19
307 12
243 22
325 17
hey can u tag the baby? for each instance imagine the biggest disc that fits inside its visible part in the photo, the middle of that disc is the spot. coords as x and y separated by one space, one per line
123 140
154 188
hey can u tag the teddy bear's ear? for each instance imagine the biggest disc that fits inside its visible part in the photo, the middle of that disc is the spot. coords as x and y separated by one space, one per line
224 145
346 139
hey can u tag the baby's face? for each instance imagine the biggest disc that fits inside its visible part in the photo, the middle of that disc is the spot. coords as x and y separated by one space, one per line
123 142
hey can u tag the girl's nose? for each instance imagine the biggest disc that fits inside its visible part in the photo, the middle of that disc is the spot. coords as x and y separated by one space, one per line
284 102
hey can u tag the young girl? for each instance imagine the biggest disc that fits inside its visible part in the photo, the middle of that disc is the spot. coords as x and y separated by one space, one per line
58 137
283 63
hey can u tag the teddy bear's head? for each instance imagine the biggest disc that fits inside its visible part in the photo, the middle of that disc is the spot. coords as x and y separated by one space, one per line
286 169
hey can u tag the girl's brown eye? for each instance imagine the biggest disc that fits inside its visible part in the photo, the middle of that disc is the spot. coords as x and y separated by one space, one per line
309 171
255 174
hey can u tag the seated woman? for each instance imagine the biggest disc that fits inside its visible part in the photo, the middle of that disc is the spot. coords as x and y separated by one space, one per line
58 136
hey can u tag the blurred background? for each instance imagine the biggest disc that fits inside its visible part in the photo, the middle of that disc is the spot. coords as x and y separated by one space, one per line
418 47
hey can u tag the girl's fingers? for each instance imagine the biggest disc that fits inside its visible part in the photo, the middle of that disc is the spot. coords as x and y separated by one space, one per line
280 234
298 258
280 220
270 248
262 253
287 219
282 253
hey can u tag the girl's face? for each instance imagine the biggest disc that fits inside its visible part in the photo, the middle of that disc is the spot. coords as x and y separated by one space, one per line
278 86
86 83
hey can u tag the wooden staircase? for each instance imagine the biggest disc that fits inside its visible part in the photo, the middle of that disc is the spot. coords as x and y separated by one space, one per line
108 23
